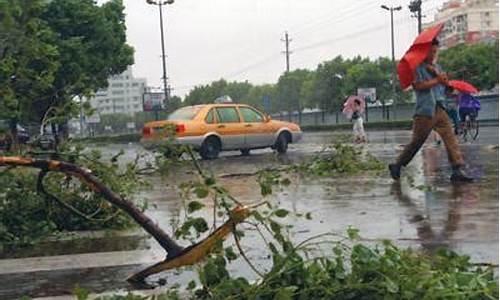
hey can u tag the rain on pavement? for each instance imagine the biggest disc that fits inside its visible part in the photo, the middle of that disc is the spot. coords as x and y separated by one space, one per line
463 218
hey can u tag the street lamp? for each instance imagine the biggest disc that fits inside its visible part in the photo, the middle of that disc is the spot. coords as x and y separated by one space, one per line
160 4
391 9
336 77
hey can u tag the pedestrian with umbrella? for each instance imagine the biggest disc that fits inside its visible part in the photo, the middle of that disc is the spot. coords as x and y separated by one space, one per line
353 110
418 69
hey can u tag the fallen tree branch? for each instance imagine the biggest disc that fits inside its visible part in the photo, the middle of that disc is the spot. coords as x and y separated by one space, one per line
196 252
41 189
177 255
84 175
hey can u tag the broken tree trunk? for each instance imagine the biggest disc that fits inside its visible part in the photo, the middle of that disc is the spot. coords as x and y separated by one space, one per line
177 255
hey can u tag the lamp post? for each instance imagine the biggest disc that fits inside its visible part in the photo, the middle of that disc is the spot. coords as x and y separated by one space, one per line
337 77
391 9
160 4
416 8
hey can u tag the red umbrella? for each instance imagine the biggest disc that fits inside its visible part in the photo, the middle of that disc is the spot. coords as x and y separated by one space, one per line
463 86
416 55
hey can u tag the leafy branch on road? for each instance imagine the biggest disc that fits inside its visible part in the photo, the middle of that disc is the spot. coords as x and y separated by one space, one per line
321 267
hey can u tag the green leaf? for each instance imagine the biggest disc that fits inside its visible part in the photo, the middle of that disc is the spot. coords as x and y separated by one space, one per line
209 181
352 233
194 206
81 293
281 213
191 285
308 216
200 225
285 293
258 216
275 227
265 189
229 253
201 192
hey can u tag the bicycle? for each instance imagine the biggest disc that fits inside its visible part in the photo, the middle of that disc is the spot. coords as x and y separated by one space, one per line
470 129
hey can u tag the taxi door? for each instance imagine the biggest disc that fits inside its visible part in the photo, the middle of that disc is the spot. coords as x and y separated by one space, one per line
258 132
230 128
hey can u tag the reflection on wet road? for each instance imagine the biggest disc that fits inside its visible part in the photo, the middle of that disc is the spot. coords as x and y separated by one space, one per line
423 211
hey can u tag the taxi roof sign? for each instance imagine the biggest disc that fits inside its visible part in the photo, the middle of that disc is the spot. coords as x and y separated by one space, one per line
223 99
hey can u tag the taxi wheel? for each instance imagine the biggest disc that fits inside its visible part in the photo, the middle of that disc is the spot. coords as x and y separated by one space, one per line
282 143
245 152
210 148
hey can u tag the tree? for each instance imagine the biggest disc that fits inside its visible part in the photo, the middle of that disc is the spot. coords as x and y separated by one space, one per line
256 95
289 90
174 102
308 93
92 44
365 75
208 93
477 64
28 60
330 83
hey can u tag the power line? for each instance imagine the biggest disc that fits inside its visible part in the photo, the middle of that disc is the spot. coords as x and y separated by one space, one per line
328 17
304 48
345 38
350 14
251 66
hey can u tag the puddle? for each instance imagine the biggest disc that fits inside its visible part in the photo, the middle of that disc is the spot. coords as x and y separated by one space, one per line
423 211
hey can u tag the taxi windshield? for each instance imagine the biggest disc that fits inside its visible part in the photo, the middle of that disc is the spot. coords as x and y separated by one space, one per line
185 113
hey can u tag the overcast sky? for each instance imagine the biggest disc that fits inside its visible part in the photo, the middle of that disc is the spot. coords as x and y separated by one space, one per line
240 39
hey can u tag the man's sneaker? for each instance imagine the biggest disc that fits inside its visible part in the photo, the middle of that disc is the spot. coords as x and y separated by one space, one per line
459 176
395 171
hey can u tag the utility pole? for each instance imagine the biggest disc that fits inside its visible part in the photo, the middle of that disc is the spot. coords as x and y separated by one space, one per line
416 8
391 9
164 78
163 55
287 51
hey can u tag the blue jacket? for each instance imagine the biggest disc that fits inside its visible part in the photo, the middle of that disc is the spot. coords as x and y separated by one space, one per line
429 98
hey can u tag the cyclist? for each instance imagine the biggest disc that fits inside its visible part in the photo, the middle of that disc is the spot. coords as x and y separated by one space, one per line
467 106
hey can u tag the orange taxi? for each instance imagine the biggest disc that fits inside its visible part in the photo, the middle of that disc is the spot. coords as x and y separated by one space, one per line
212 128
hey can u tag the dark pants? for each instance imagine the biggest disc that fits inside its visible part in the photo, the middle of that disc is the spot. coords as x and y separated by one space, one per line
467 111
453 114
422 127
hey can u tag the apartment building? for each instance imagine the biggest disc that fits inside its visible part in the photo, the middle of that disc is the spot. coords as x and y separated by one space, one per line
123 95
468 21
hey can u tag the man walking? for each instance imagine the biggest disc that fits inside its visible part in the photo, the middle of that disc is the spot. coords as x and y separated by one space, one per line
429 85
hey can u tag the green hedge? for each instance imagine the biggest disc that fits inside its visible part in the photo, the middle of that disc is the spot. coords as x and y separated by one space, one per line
405 124
120 139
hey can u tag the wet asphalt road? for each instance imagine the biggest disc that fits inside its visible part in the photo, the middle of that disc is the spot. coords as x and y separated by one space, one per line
462 218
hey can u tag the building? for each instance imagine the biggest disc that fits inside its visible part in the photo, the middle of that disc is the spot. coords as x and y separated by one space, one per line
467 21
123 95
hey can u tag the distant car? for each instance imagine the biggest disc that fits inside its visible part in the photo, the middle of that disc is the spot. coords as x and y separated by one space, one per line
212 128
22 134
6 139
47 139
